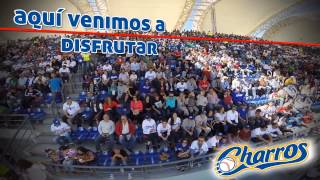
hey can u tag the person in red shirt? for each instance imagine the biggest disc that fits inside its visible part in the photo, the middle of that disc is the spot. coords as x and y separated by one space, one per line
125 130
227 99
136 107
109 105
204 84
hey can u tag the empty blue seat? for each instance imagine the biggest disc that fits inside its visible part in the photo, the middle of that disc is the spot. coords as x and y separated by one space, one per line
37 114
136 158
48 98
83 96
93 133
87 114
152 157
103 159
102 95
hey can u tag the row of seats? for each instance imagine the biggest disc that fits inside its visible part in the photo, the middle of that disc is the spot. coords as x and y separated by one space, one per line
138 158
83 134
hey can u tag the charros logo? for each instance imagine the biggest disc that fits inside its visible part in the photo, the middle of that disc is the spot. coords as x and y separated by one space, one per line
239 158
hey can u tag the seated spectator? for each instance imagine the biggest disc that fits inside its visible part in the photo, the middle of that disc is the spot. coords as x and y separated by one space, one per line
227 100
106 130
245 134
188 126
32 97
136 107
149 128
85 156
274 130
191 104
163 130
220 119
71 111
62 130
125 131
176 130
64 72
183 149
199 147
214 142
202 101
202 124
119 157
261 134
109 106
232 118
181 104
171 102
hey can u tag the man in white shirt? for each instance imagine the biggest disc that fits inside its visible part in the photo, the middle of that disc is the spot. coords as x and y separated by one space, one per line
149 128
213 142
199 147
71 111
232 116
261 134
163 130
62 130
182 85
274 130
150 74
106 130
64 71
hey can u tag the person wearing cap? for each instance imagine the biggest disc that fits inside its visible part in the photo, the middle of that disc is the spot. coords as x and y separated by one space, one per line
245 134
188 126
71 111
149 128
125 130
213 142
62 130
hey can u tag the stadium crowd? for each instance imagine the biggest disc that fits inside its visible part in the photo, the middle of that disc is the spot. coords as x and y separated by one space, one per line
191 99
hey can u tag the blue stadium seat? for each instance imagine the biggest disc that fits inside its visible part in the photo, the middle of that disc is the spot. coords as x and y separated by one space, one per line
102 95
37 114
87 114
48 98
136 158
93 133
103 159
83 96
152 157
81 134
139 134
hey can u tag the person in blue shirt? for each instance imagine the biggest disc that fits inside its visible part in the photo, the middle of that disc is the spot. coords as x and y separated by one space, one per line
145 87
183 149
55 85
237 96
243 114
